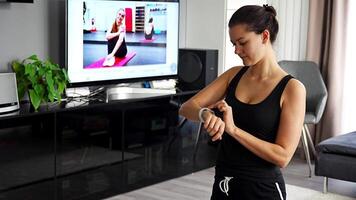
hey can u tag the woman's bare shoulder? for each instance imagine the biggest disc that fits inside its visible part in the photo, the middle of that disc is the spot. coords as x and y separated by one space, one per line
231 73
294 90
295 84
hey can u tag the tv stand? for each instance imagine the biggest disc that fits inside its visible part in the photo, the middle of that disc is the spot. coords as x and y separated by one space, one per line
126 92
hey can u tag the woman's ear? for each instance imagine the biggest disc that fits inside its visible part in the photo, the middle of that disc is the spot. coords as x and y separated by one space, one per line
265 36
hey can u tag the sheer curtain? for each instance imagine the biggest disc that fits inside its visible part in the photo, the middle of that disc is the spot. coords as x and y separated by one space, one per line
349 102
327 46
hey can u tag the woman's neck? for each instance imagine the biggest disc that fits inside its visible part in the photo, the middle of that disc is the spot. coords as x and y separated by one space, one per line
266 67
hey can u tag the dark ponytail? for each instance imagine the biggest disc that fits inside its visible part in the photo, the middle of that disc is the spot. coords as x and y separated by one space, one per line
257 19
270 9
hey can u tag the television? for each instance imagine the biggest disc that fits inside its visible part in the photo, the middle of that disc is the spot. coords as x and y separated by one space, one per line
89 22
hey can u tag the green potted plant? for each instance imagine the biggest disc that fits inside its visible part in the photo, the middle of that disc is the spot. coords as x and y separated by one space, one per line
44 81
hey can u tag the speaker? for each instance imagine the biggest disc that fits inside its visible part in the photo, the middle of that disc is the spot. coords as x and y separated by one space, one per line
8 96
196 68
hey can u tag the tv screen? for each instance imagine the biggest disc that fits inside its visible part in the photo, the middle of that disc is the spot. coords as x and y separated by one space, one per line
118 41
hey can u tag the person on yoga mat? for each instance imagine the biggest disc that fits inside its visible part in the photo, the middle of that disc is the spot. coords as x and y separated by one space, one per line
149 30
256 111
116 39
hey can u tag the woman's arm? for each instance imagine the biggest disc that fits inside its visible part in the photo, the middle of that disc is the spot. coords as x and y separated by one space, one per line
121 33
289 131
149 29
110 35
212 93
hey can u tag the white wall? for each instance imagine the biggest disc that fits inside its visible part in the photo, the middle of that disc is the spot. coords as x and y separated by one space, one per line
31 28
202 25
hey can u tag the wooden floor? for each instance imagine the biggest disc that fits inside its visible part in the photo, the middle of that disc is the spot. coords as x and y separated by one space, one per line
199 185
195 186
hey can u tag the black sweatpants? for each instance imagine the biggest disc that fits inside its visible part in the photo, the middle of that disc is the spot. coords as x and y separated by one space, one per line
235 188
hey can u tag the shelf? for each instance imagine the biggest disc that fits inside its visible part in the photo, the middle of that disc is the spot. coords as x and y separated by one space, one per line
140 19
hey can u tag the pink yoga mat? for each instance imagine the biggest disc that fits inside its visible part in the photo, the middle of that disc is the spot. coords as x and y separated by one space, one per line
148 41
119 62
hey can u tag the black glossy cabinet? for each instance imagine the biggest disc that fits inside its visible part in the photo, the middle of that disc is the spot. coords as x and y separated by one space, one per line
27 160
93 151
95 148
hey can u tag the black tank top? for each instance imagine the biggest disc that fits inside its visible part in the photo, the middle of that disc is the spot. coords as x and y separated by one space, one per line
260 120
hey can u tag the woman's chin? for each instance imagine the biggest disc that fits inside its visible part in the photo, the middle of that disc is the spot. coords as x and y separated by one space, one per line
246 62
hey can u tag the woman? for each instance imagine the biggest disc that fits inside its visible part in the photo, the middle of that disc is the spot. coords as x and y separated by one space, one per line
262 112
149 29
116 39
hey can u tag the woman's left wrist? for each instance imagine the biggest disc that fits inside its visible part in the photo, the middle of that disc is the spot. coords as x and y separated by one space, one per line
203 112
235 130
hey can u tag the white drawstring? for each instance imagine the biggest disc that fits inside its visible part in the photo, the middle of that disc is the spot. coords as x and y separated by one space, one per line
225 187
279 191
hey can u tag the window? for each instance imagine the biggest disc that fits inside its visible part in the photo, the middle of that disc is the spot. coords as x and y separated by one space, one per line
349 104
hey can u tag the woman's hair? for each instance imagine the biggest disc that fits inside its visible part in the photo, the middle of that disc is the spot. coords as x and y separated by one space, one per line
257 19
114 28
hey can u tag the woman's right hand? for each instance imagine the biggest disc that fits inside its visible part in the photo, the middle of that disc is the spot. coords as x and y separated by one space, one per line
214 125
121 29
